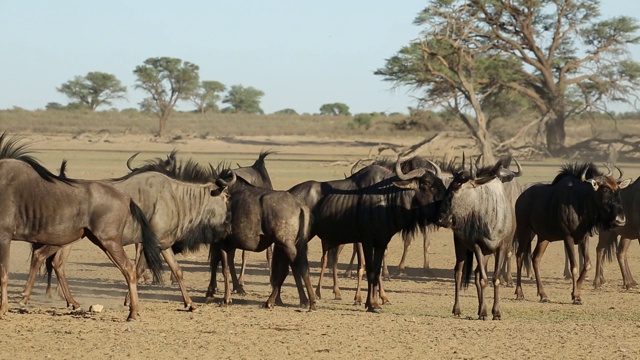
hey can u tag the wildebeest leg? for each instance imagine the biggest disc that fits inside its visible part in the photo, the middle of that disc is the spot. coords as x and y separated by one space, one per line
481 282
383 295
214 260
373 263
170 259
59 265
226 274
323 265
337 295
5 247
426 246
495 310
541 246
357 299
347 272
300 268
621 255
269 256
243 267
385 269
237 285
279 271
37 258
114 250
567 267
406 242
461 254
575 293
603 243
583 248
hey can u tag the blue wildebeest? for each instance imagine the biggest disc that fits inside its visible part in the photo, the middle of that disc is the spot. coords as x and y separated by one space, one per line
39 207
260 218
256 175
179 213
477 209
579 201
369 207
608 240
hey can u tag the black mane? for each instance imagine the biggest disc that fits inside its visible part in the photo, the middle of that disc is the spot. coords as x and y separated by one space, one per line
189 171
11 148
576 171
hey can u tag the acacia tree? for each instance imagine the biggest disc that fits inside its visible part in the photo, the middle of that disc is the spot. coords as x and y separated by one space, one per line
94 89
207 95
456 70
561 78
243 99
335 109
167 80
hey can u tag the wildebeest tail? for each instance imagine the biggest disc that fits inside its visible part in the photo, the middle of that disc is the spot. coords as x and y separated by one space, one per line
332 256
467 269
150 244
302 240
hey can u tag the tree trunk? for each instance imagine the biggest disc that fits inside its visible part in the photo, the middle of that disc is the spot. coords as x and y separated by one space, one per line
162 125
556 136
486 148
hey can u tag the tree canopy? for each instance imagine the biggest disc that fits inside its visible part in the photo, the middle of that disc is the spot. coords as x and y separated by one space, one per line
243 99
166 80
207 95
557 54
93 90
335 109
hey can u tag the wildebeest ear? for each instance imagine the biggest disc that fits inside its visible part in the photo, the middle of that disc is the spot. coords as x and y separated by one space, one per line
218 191
406 184
594 183
624 183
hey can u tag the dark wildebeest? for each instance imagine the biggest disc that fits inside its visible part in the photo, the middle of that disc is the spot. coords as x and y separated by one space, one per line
40 207
369 207
256 175
478 211
178 212
331 256
580 201
630 197
260 218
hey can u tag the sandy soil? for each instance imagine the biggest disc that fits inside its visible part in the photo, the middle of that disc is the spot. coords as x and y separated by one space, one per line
418 323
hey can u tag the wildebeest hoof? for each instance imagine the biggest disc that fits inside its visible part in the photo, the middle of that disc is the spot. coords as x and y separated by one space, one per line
337 297
577 301
130 319
374 310
482 317
209 300
267 305
497 317
386 302
545 300
190 308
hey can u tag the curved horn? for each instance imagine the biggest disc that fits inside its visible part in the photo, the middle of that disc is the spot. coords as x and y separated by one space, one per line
230 182
472 170
478 161
609 172
131 159
436 167
620 171
519 172
583 176
411 175
464 165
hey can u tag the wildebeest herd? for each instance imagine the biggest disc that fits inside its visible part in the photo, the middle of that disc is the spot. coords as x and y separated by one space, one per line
167 206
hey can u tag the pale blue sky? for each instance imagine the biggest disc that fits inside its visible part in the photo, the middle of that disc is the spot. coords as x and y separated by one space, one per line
302 54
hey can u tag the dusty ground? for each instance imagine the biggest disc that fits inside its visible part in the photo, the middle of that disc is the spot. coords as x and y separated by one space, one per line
418 323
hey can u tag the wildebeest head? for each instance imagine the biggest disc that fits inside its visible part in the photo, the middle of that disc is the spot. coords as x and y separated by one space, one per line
427 185
606 191
458 201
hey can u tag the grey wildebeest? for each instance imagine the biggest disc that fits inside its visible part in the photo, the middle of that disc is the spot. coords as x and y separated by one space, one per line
476 208
40 207
579 201
608 239
178 212
369 207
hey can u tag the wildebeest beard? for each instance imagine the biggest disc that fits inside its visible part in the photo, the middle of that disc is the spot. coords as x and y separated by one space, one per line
203 234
